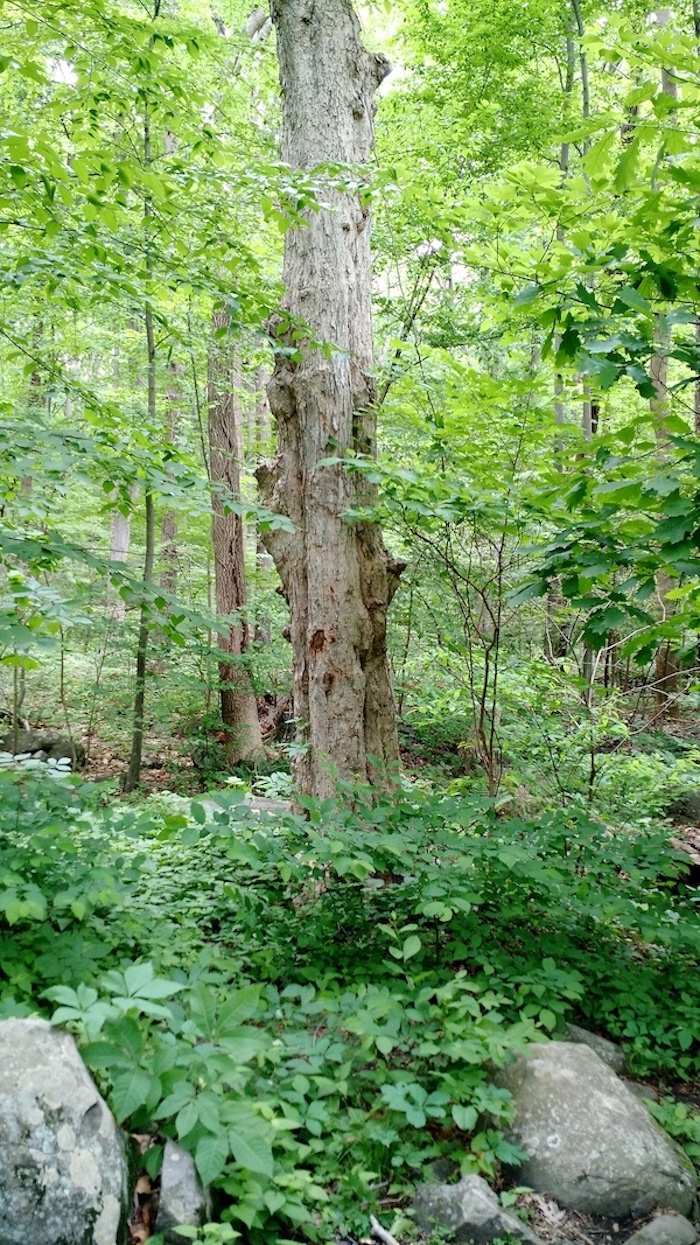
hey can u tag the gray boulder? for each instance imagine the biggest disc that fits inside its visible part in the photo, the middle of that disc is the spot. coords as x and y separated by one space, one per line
685 808
63 1175
467 1211
605 1050
44 746
644 1091
665 1230
591 1143
183 1201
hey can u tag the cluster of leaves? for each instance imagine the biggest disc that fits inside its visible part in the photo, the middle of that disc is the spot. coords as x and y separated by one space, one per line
318 1003
682 1122
619 529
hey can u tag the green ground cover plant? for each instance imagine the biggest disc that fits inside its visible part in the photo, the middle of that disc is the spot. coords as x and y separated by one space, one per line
314 1005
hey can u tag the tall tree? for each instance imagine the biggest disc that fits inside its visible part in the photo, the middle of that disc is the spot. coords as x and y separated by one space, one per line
133 773
337 574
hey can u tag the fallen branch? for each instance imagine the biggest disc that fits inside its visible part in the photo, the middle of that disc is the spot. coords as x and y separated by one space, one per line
380 1234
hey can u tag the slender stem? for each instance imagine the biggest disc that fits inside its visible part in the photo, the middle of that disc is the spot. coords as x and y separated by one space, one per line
62 696
15 710
133 774
585 85
568 91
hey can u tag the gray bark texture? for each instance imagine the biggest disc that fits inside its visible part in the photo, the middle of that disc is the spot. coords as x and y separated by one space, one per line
337 575
238 706
168 524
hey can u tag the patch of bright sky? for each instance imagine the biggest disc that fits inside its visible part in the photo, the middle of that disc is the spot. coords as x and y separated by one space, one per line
61 71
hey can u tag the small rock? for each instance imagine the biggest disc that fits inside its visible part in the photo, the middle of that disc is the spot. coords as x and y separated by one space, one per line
468 1211
592 1145
264 804
605 1050
644 1091
442 1171
63 1175
665 1230
183 1201
685 808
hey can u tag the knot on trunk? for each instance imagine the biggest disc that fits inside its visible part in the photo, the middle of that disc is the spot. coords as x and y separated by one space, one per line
280 391
395 568
265 476
381 67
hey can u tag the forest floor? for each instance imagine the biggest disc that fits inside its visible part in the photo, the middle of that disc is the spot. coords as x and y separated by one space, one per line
169 766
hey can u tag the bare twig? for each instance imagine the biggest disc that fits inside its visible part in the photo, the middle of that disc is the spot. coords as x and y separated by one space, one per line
380 1234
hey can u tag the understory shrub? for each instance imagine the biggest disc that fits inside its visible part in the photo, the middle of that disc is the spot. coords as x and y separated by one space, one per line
314 1005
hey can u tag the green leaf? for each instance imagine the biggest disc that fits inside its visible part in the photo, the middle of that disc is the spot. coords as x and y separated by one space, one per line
137 976
619 490
465 1117
153 1161
597 158
127 1034
249 1138
632 298
130 1090
240 1006
411 947
527 592
203 1005
674 529
527 294
101 1056
627 164
142 983
243 1043
187 1118
211 1157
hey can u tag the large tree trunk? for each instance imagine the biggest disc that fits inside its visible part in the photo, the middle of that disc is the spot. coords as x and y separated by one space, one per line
238 707
337 575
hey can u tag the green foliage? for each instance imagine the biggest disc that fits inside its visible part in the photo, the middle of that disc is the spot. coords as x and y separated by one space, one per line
682 1122
619 529
316 1005
209 1233
57 865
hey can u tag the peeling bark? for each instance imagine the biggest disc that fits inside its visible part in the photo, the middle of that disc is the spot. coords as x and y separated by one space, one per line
337 575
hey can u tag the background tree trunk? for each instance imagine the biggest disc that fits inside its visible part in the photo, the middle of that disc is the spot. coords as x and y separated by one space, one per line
337 575
238 706
666 678
168 524
666 661
132 777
